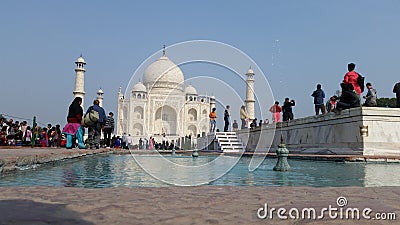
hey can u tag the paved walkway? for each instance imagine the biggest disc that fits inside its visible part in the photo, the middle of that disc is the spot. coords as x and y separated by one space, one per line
185 205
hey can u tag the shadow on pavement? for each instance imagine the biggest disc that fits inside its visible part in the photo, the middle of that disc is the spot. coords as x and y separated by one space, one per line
21 212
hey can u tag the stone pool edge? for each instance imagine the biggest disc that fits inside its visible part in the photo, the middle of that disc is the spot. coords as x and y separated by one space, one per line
23 158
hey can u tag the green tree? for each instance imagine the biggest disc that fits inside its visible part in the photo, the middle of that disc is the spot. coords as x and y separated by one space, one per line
386 102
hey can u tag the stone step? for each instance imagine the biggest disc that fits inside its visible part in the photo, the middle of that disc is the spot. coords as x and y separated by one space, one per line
231 145
229 142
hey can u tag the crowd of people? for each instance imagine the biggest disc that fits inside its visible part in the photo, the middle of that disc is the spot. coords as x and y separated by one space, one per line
15 133
350 97
95 119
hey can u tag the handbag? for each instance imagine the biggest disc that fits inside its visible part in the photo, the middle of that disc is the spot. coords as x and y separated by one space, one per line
91 118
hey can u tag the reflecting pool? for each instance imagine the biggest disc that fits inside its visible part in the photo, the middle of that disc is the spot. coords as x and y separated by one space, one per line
123 171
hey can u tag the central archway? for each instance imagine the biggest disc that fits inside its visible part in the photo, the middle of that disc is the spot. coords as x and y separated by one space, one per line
166 120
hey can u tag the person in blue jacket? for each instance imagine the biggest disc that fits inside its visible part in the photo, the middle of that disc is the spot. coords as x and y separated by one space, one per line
94 130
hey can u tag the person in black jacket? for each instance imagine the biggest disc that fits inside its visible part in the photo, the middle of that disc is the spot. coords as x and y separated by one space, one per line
226 118
287 109
396 89
348 99
319 96
73 127
108 129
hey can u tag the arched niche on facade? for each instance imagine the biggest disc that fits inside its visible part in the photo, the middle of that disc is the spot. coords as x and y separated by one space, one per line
165 120
205 113
137 129
192 113
192 129
138 112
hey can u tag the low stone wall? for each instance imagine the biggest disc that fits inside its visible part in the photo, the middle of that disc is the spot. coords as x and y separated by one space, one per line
358 131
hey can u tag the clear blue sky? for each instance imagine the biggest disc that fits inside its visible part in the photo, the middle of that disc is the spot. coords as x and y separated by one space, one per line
40 40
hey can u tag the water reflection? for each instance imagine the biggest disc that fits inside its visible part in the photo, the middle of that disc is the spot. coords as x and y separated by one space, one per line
122 170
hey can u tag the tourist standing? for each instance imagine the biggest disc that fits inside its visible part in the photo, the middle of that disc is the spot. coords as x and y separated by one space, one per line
44 138
140 144
319 96
124 141
73 127
226 118
94 130
108 129
370 98
351 77
276 112
235 126
396 89
50 139
28 136
129 140
24 125
117 142
243 116
58 130
287 109
163 142
213 122
151 143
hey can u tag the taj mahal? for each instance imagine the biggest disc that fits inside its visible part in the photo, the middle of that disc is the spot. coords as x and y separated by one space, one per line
163 104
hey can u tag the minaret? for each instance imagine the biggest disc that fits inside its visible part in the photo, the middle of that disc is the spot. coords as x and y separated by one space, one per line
120 109
79 90
250 94
212 103
100 97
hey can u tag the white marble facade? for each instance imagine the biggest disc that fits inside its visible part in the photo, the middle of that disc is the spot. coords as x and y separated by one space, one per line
163 103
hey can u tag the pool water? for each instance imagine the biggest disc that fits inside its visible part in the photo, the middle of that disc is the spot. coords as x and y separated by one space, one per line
103 171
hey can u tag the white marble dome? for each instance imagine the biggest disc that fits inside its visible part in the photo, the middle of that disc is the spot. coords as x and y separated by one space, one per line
139 87
163 71
190 90
250 71
80 60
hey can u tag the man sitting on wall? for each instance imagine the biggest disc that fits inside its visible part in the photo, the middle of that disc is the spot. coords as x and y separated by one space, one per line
348 99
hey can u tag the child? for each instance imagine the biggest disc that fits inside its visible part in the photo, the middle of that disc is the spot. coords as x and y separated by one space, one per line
28 136
44 139
118 142
3 139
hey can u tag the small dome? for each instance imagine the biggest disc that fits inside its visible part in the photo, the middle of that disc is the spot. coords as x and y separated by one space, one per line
100 91
163 71
250 71
190 90
81 60
139 87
